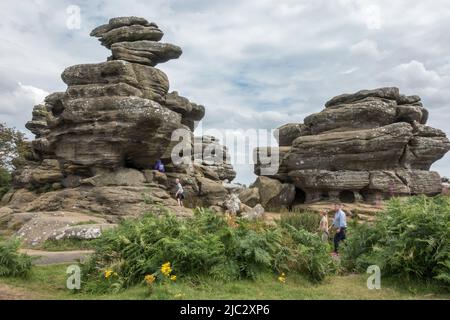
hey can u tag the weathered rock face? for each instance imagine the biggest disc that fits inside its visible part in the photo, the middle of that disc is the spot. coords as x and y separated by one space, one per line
96 143
363 146
189 111
127 29
214 157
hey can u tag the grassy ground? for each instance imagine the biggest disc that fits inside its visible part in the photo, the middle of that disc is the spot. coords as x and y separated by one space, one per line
49 283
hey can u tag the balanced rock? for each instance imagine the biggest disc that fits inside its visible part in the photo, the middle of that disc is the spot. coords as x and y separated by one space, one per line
362 146
97 143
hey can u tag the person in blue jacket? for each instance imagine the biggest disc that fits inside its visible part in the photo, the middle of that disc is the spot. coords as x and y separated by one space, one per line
160 166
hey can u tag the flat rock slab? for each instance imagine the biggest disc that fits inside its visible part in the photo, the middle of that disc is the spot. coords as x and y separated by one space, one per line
38 227
61 257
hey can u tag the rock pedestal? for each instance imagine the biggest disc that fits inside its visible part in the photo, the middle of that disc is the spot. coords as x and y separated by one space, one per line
365 146
96 143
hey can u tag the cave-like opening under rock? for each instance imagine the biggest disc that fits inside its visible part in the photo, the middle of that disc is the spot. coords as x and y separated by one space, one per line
300 197
347 196
325 196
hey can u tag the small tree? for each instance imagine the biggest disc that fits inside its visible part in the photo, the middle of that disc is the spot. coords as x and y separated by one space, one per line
12 155
12 148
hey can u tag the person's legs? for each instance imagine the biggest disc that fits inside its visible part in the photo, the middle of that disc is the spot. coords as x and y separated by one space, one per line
343 236
180 200
336 242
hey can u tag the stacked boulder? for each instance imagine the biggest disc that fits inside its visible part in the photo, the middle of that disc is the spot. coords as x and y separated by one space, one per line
96 144
365 146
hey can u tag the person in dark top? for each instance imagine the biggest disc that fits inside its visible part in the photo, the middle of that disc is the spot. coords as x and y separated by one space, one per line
159 166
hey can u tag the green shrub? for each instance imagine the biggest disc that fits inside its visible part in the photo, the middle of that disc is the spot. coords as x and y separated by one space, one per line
311 256
205 245
307 220
13 263
410 239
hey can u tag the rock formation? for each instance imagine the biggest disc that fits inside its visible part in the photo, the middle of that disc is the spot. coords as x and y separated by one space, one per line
362 147
96 143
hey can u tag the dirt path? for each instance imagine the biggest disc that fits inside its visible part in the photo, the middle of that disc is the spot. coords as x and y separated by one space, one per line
11 293
57 257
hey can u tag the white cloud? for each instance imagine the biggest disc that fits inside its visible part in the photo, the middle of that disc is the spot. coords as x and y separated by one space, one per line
36 95
367 48
365 11
349 71
415 75
16 106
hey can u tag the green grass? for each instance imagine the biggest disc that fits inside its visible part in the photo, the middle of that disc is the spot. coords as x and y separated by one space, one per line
49 283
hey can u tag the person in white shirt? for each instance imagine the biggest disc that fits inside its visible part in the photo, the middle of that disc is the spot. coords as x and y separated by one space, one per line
180 193
323 227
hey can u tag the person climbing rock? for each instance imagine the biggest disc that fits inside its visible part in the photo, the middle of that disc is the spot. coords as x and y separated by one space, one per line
160 166
340 224
323 226
180 193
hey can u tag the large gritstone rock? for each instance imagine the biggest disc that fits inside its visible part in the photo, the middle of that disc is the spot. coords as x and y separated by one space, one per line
38 125
250 196
210 154
365 114
427 146
286 134
271 162
48 172
274 194
113 131
382 93
103 148
116 78
368 145
372 149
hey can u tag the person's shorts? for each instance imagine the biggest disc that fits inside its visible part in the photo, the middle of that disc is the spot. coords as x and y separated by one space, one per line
180 196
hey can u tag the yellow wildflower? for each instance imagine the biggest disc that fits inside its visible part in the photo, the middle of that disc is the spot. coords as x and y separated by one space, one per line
173 278
282 278
108 273
179 296
149 279
166 269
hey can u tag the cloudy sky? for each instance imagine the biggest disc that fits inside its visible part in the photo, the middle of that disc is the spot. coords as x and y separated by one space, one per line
253 64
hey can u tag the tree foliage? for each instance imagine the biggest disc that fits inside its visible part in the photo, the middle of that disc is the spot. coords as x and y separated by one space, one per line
13 148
